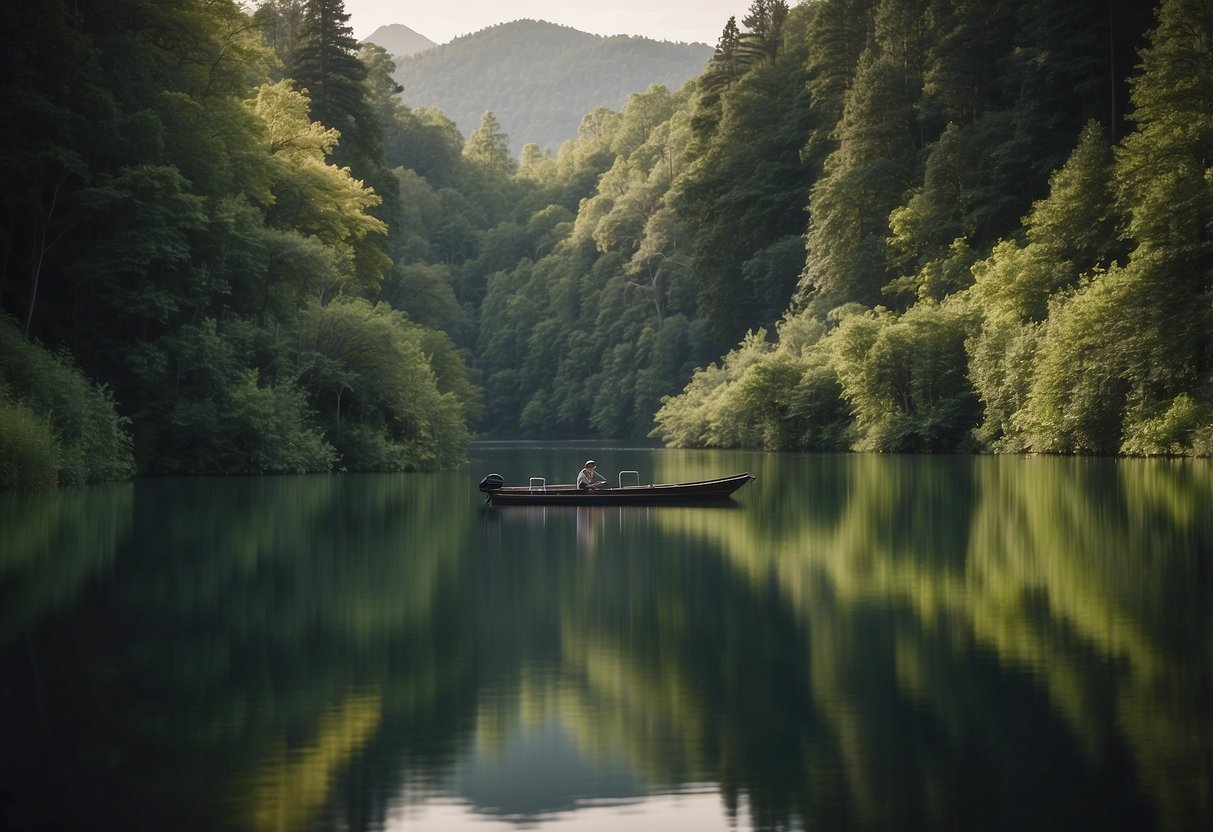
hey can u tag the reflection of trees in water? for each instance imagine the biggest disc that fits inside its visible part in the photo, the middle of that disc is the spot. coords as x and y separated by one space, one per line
258 635
52 544
912 642
998 596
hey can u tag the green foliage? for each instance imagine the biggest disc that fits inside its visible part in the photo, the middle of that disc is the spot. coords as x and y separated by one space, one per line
949 185
1183 427
875 381
779 397
862 183
424 292
28 450
1078 221
1162 178
269 429
707 413
1078 390
277 280
308 193
1117 358
819 417
56 427
586 319
1001 367
765 391
368 376
172 208
488 146
342 94
743 192
209 410
904 378
764 23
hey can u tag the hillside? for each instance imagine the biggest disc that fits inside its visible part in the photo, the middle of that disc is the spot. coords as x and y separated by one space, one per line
539 78
400 41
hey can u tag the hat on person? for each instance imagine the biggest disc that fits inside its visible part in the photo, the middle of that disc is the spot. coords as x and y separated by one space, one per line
588 463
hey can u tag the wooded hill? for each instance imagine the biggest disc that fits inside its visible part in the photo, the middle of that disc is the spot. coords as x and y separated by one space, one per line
540 78
905 225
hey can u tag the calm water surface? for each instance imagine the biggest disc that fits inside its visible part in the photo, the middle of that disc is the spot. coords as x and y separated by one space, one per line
861 642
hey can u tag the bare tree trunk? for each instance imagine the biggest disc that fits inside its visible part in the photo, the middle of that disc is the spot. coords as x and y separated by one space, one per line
43 248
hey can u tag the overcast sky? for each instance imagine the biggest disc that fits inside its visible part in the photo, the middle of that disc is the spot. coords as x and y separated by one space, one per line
442 20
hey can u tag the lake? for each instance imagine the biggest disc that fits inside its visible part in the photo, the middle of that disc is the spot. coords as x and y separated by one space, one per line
860 642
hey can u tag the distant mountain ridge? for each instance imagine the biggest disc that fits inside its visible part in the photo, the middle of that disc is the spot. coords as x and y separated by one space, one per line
399 40
541 78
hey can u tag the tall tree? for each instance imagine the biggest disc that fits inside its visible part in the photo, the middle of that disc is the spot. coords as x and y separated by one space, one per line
722 71
281 22
864 180
51 87
326 65
1164 183
838 33
764 35
742 194
489 145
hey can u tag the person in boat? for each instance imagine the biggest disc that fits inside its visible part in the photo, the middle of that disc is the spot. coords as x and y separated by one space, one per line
589 479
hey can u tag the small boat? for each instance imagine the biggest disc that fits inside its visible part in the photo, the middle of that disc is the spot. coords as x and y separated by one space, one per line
538 492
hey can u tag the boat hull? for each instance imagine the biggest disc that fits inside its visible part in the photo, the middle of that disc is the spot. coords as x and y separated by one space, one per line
706 492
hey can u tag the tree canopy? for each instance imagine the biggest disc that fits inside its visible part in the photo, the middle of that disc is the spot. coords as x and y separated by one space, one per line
907 225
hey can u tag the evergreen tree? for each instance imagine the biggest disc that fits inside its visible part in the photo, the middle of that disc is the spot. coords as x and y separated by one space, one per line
722 71
725 63
864 180
764 31
326 65
489 146
837 34
1164 188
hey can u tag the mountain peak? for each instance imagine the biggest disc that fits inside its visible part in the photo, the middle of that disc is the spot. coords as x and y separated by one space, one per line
399 40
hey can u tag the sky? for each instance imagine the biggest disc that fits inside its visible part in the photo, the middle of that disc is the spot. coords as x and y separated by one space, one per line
441 20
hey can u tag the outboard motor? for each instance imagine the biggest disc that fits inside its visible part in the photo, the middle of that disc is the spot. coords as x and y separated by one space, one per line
491 483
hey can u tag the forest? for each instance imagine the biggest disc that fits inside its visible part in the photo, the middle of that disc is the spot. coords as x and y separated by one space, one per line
871 225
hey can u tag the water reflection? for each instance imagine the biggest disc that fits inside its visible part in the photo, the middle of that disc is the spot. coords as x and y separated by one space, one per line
50 547
981 600
861 642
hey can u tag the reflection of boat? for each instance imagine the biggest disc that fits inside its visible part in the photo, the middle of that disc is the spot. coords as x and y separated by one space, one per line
538 492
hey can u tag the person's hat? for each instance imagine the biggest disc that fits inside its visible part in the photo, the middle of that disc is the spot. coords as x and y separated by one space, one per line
588 463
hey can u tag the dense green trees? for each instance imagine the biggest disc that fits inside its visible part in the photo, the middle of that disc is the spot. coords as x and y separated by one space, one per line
743 192
907 225
174 216
1047 287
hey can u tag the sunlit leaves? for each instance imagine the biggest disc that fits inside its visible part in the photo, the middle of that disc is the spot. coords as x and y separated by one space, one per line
1163 166
1076 398
310 194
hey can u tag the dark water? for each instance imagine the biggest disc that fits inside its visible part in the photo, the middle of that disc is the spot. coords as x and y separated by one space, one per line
861 643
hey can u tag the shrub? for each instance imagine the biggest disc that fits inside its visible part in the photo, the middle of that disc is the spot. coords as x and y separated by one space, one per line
92 440
1171 433
28 450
